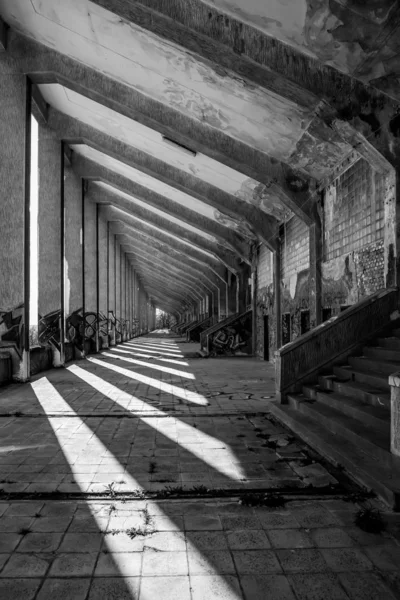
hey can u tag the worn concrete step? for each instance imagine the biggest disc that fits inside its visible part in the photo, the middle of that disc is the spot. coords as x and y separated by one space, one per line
369 472
373 366
377 380
389 342
365 393
372 440
379 353
372 416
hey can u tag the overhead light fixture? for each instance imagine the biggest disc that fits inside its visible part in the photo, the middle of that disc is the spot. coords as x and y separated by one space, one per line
178 145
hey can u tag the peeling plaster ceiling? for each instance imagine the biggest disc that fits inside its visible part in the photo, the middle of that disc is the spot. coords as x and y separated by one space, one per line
355 38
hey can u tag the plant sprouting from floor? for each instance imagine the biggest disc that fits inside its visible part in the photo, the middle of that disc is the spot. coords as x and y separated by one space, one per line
136 532
109 489
270 500
370 519
199 489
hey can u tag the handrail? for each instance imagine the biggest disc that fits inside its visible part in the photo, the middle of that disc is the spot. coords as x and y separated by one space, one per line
200 326
207 332
301 359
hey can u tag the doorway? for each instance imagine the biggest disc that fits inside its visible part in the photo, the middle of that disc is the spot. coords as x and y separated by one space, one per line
266 337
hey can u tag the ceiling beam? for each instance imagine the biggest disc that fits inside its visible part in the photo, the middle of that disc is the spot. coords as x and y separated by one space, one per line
264 225
164 262
152 232
45 65
244 49
198 264
173 272
91 170
162 267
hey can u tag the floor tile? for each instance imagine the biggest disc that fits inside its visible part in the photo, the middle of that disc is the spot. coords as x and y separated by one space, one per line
223 587
273 587
256 562
167 588
64 589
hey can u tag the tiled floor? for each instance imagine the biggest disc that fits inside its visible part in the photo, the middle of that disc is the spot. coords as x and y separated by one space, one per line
112 425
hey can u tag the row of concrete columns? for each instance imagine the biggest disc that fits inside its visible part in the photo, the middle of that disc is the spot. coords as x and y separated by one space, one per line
82 267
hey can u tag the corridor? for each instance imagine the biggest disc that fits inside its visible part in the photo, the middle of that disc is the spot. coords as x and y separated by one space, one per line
136 474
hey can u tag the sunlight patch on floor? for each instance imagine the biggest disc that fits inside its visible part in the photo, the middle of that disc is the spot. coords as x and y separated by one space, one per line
151 366
199 437
168 360
168 388
49 397
154 350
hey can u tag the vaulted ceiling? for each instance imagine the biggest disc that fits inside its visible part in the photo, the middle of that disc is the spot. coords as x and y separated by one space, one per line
203 125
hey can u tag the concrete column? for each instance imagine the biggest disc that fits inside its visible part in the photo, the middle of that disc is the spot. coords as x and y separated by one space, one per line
73 265
102 276
232 295
392 231
243 282
91 275
394 382
15 101
254 280
111 287
49 222
315 273
277 296
118 290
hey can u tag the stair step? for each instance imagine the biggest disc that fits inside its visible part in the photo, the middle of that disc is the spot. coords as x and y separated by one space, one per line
369 472
370 415
372 440
363 392
390 342
377 380
373 366
382 354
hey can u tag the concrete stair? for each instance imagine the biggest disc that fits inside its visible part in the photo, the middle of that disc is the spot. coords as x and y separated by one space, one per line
346 417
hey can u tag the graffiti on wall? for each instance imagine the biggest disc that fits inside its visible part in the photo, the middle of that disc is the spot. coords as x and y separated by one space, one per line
78 327
12 328
233 339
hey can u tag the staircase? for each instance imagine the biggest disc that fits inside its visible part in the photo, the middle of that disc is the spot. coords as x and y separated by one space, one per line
346 415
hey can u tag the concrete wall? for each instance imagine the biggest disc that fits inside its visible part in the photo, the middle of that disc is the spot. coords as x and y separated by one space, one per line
352 248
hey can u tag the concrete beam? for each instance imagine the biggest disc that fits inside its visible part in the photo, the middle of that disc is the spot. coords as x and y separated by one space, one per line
45 65
243 214
202 276
201 30
202 285
165 287
246 50
93 171
134 213
161 266
181 272
165 283
165 236
198 264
